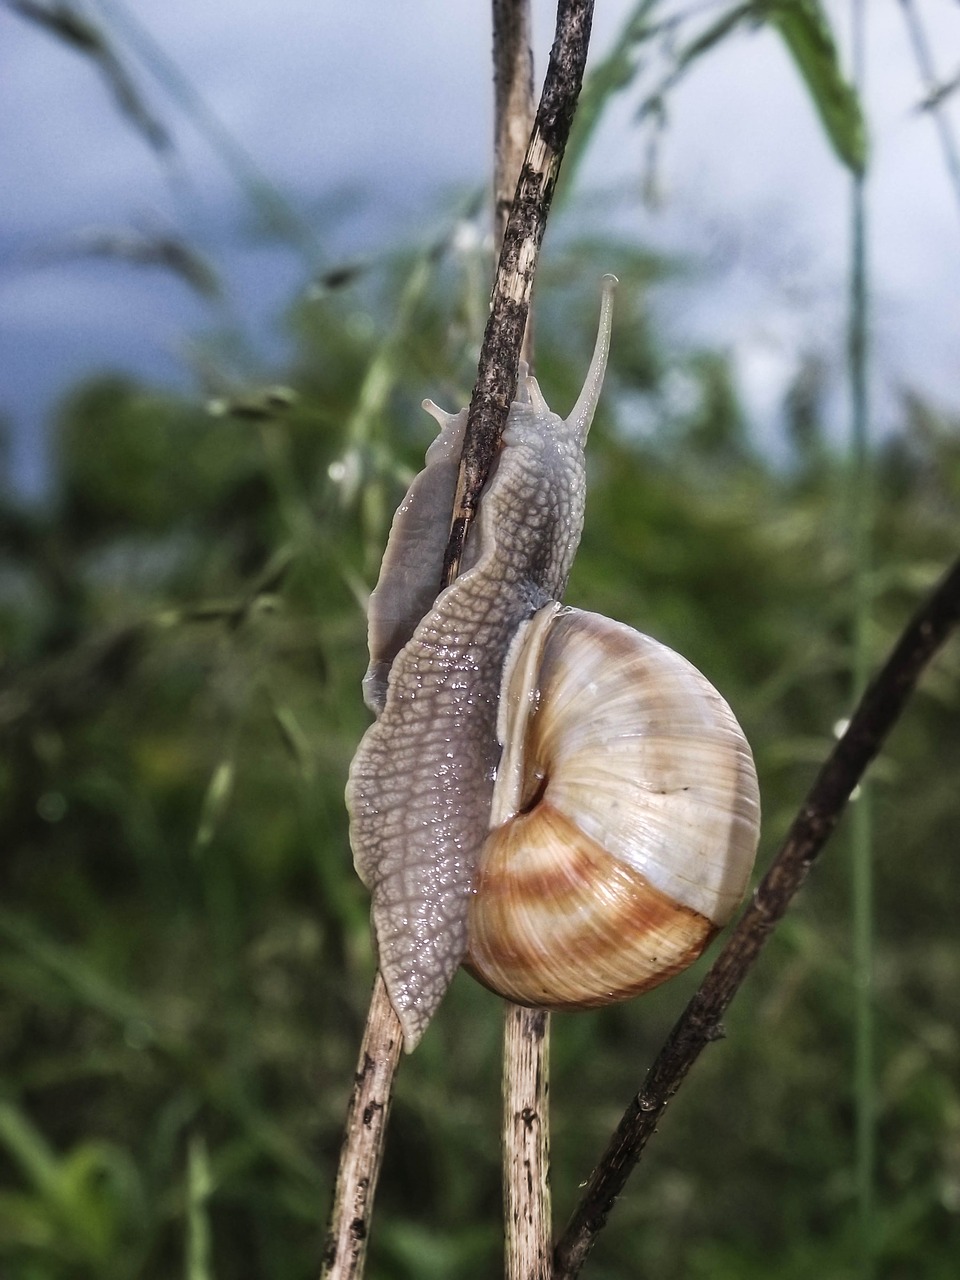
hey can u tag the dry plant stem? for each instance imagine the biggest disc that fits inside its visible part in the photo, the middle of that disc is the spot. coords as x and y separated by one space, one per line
496 384
362 1150
874 717
526 1144
361 1153
526 1032
513 114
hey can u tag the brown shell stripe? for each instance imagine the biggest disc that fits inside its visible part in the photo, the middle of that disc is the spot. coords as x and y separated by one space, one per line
596 928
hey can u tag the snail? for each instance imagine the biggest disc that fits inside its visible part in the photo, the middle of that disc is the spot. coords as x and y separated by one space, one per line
563 805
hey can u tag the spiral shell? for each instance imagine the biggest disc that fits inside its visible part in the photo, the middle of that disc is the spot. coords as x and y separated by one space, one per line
625 817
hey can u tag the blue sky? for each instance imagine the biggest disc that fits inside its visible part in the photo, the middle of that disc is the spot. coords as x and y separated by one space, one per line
390 103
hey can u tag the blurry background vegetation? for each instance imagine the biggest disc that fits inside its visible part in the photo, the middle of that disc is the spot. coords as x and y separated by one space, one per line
184 949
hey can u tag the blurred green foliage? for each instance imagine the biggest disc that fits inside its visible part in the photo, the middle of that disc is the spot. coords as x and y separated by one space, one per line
184 948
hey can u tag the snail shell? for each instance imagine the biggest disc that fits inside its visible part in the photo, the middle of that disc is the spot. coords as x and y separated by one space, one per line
624 822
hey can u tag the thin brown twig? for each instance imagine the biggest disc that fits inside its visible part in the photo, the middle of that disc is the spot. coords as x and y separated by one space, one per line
525 1139
496 384
526 1144
364 1136
361 1153
699 1024
522 204
513 117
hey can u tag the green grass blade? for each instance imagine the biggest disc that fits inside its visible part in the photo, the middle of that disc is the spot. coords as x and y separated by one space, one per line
861 832
803 26
199 1186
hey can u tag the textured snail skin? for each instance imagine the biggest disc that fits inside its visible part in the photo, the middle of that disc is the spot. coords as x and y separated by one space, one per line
624 820
421 783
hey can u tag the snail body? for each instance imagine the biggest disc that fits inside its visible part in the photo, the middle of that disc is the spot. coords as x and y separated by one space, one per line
463 789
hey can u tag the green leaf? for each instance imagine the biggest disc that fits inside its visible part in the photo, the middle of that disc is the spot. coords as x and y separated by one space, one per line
804 28
77 31
81 1200
716 32
199 1186
215 803
28 1149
